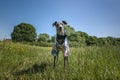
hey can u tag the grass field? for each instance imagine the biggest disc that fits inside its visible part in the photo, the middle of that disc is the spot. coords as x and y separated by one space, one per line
25 62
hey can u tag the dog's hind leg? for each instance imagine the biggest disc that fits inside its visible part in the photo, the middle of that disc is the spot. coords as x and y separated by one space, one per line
57 56
65 61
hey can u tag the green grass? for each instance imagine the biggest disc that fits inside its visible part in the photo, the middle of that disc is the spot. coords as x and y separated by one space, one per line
25 62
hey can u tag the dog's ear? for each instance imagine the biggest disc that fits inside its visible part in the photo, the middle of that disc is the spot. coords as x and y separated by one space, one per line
64 22
54 23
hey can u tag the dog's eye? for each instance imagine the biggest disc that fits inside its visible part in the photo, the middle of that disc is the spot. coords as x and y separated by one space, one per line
57 24
61 24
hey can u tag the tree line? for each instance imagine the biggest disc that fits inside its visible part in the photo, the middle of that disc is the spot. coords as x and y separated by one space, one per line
26 33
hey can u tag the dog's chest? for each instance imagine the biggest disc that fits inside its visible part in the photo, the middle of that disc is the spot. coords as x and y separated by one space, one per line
60 47
60 38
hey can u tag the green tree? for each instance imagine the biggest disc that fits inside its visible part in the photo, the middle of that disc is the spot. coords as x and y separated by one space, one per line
101 41
53 38
78 38
91 40
43 37
111 40
117 41
24 32
69 30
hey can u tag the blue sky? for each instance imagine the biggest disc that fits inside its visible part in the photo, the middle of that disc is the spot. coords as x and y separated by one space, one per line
100 18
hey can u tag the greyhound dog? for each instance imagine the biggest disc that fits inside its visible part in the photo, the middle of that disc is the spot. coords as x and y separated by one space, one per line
61 42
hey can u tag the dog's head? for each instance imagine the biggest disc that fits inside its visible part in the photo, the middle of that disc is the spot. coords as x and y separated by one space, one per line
60 27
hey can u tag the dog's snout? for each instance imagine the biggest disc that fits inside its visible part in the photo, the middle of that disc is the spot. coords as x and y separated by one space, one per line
60 28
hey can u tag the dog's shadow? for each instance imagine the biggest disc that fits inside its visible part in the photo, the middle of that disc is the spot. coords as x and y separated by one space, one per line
34 69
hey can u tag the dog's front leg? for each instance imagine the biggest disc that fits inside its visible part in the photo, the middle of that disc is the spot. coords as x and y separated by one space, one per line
65 61
57 56
54 60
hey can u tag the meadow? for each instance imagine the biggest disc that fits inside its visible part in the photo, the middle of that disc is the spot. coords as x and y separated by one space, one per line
26 62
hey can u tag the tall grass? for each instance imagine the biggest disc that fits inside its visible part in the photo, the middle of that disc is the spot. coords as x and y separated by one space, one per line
24 62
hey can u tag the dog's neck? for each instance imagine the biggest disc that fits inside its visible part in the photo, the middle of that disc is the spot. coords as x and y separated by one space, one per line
62 32
60 38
